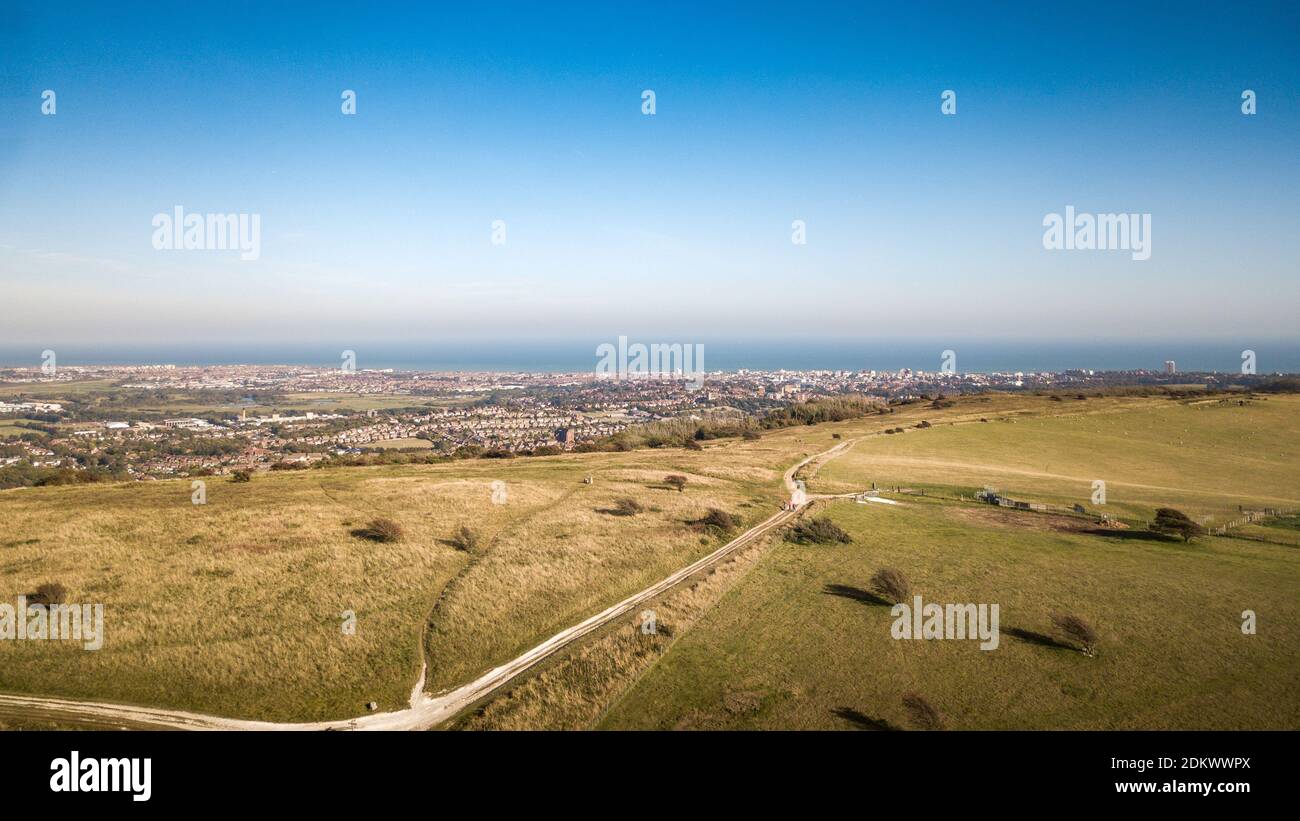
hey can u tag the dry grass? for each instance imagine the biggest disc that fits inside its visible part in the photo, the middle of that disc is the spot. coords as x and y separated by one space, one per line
577 690
236 607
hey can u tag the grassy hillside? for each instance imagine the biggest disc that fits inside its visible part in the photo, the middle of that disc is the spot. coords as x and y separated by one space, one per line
797 644
1207 456
235 607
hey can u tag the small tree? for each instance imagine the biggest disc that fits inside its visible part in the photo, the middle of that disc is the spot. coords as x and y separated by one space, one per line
465 539
891 585
676 480
1075 629
1170 522
921 713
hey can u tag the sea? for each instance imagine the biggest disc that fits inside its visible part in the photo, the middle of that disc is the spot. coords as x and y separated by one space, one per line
579 355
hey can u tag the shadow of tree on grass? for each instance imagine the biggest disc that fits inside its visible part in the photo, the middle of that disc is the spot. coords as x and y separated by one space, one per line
862 721
856 594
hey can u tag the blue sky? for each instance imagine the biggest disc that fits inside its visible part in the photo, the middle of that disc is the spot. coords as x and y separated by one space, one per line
377 226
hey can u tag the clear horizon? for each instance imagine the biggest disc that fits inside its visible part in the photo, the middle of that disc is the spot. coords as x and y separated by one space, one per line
578 355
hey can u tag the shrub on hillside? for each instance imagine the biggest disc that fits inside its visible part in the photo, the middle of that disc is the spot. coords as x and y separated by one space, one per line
380 530
50 593
1074 629
717 521
829 409
627 507
820 530
464 538
920 713
891 585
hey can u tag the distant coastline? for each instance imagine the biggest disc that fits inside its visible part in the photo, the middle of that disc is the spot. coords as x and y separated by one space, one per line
578 356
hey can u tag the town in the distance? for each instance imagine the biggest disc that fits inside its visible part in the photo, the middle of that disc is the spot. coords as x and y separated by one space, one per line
93 423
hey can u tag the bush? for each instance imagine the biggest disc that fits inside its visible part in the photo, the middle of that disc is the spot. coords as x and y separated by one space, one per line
50 593
465 539
1170 522
241 476
676 480
627 507
829 409
380 530
891 585
716 520
820 530
921 713
1075 629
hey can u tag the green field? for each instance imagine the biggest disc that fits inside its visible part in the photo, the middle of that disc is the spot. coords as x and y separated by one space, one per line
179 402
52 391
1205 456
235 607
795 644
10 427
